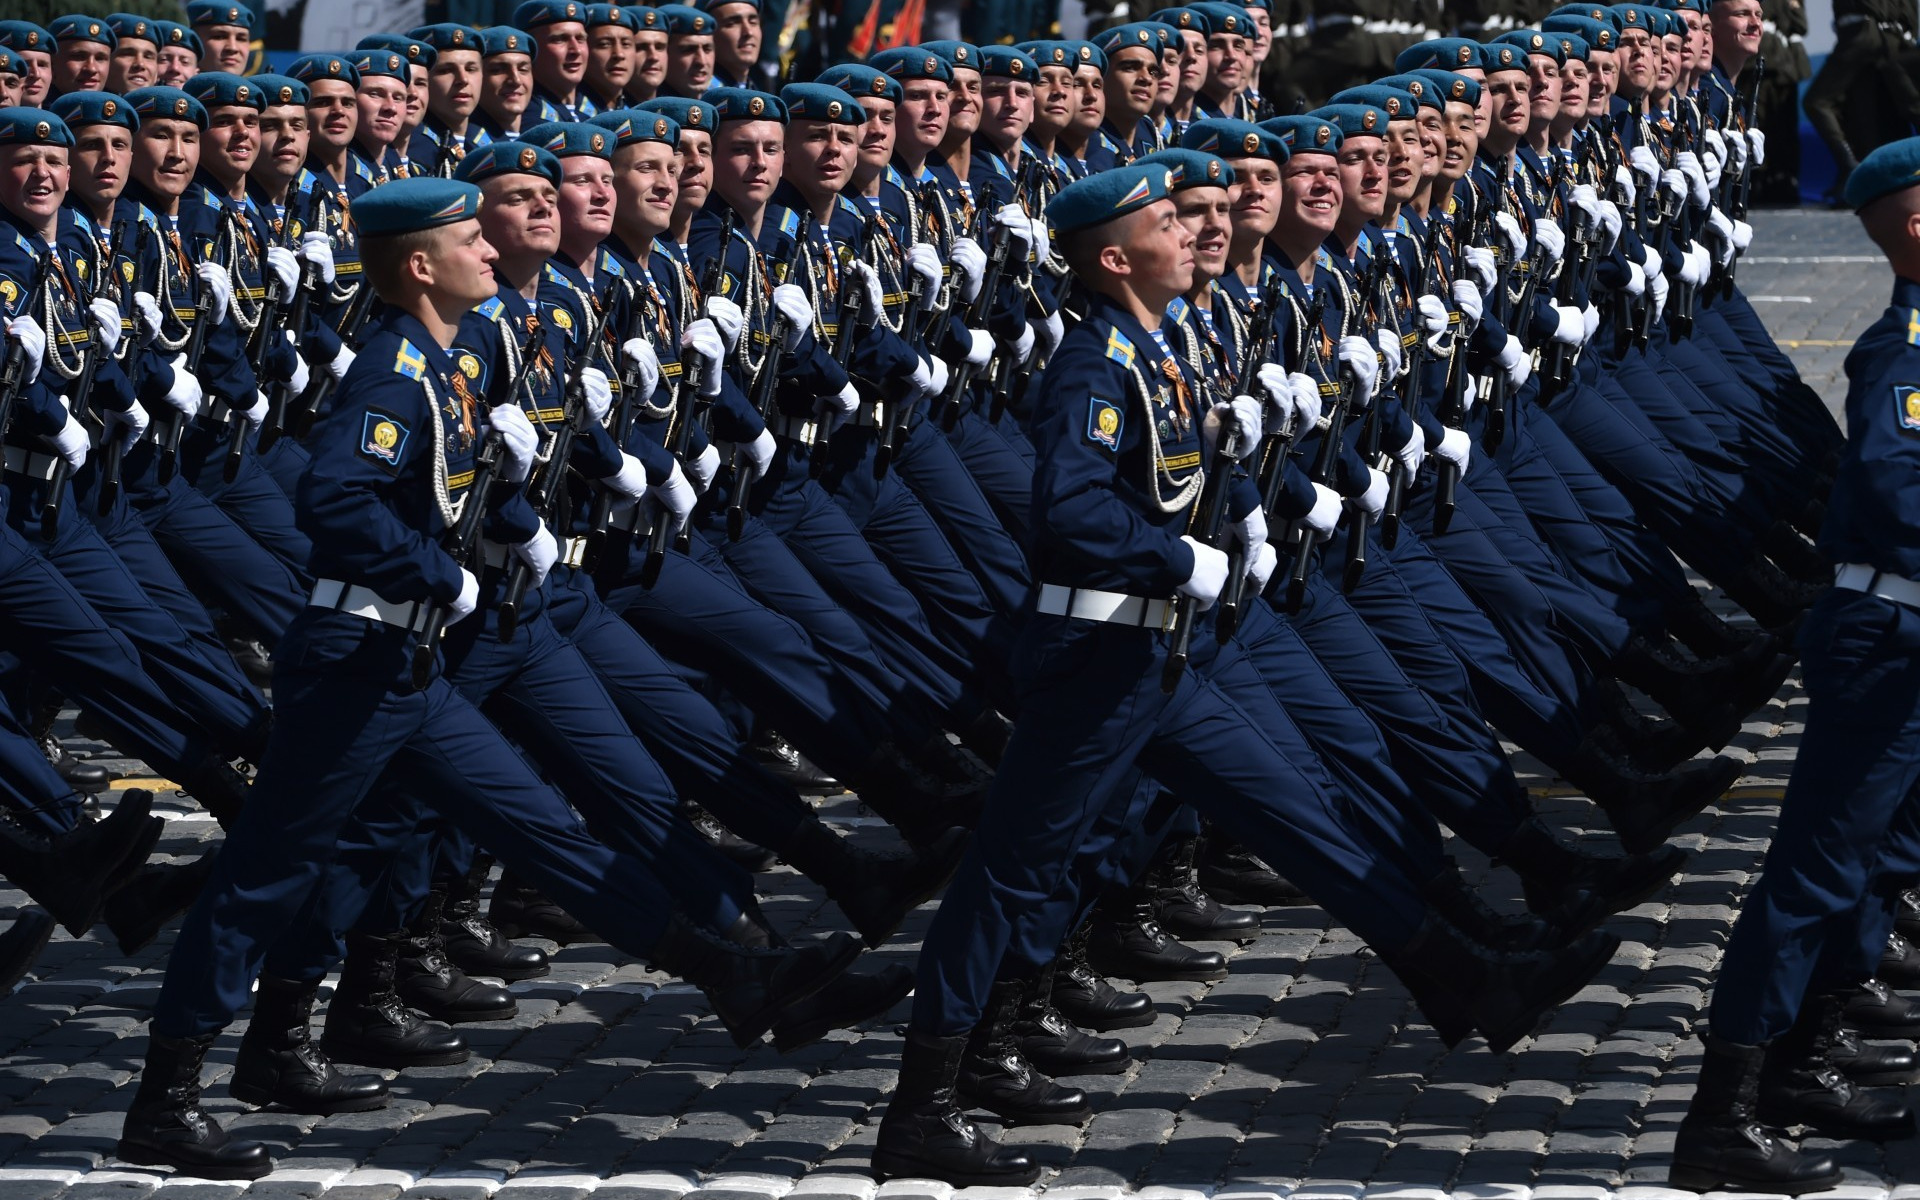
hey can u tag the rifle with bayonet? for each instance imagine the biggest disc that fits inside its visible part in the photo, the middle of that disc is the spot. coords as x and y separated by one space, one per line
173 423
1207 524
13 367
977 314
1260 349
1001 370
260 343
1397 480
1576 280
113 451
1332 434
687 402
853 314
1370 294
306 409
761 394
1503 310
1742 188
1680 310
81 397
280 392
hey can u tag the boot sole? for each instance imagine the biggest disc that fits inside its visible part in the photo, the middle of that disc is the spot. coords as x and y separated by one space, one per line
148 1156
1166 977
261 1097
1079 1116
1063 1070
898 1166
1698 1179
1569 979
505 1013
1883 1078
393 1062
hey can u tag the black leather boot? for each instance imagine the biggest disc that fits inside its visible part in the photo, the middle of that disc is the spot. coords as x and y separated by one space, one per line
995 1076
1653 744
472 942
987 735
1084 996
777 757
1700 630
156 894
165 1126
1874 1010
750 989
1899 964
1906 915
876 891
1873 1064
1770 594
1645 809
1723 1146
366 1022
521 911
921 805
1570 884
958 766
429 983
1054 1044
925 1134
1795 555
279 1064
1451 896
1187 911
82 776
21 944
1127 942
1503 995
218 788
736 849
1233 874
1799 1086
1695 692
853 998
73 875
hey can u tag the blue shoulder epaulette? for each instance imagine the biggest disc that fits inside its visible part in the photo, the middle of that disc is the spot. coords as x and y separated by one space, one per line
1119 349
409 361
490 308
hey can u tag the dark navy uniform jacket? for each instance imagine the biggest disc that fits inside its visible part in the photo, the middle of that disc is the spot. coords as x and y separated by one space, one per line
1873 515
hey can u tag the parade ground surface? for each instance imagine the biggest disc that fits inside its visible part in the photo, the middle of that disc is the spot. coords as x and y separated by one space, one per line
1307 1074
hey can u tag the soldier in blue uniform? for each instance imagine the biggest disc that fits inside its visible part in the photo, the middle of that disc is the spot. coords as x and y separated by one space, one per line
559 29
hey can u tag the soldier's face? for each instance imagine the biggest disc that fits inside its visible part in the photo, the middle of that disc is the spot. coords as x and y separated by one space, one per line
1193 65
1603 75
645 186
1132 76
1406 161
963 104
1463 140
1226 63
1309 194
506 85
521 217
102 158
39 78
586 197
1158 252
1363 176
165 156
1510 93
11 86
1091 94
283 143
1666 66
1261 43
1433 140
177 65
1573 91
1168 84
33 182
232 142
1736 28
1483 111
1254 198
416 110
876 136
820 156
736 38
609 59
690 63
748 158
562 61
453 86
1007 110
649 60
461 264
695 157
1634 53
923 115
1054 102
333 113
383 104
81 66
1208 217
136 64
1543 89
227 47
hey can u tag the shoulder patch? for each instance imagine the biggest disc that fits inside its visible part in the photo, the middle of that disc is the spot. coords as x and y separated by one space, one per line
1119 349
1913 327
1103 423
469 365
790 223
1906 403
562 317
490 307
409 361
383 439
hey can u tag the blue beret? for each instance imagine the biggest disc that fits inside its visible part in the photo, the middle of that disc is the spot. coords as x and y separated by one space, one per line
1632 16
1225 18
411 205
1187 20
1004 62
507 158
1265 6
1170 37
11 63
79 28
1532 41
1416 84
313 68
94 108
1496 57
416 52
1665 24
1354 120
173 33
709 5
683 20
1452 87
863 82
1049 53
745 104
1305 134
1398 103
1191 168
167 104
1230 138
219 12
25 35
1127 37
695 115
645 19
569 139
958 54
449 35
532 14
505 39
818 102
218 89
33 127
1448 54
1592 12
375 63
135 26
1598 35
1086 54
613 14
1108 195
1891 168
631 126
1572 46
282 89
912 62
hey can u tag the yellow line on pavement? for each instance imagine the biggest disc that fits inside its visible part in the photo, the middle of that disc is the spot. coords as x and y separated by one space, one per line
151 785
1816 342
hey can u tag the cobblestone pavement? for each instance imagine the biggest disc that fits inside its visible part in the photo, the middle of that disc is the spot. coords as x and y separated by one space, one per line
1306 1072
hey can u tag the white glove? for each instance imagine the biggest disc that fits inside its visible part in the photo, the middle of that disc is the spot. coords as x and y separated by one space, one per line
979 347
285 268
1261 565
220 286
1373 501
1629 190
1584 198
835 409
71 441
1467 295
106 322
1289 408
1590 318
1636 279
1358 353
676 497
873 297
1324 516
1712 166
1694 265
703 468
518 442
1023 345
1414 452
1757 142
1251 531
1391 355
1689 164
631 479
1716 146
1570 328
640 357
185 394
1674 183
1456 447
1481 262
1049 331
1644 163
760 453
1019 226
922 377
1611 223
1209 573
341 362
1513 360
970 266
1742 236
317 248
1510 230
924 261
937 377
129 424
1551 237
33 340
146 316
1737 150
792 303
727 315
704 339
1244 413
1723 247
1431 312
599 393
1469 395
302 375
539 552
468 599
1657 285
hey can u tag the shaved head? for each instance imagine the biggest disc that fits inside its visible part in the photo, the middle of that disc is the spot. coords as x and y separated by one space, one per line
1893 222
